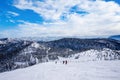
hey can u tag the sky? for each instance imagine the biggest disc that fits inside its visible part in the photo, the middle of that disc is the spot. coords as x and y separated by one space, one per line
53 18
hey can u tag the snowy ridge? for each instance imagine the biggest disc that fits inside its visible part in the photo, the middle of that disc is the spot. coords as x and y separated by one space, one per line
32 48
26 55
7 40
94 55
105 54
1 42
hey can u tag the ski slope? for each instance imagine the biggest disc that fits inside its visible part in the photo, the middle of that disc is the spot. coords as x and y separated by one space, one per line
74 70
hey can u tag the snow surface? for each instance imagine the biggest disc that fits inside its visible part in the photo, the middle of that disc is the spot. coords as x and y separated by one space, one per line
74 70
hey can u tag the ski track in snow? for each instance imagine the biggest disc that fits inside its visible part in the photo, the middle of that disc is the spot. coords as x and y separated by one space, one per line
74 70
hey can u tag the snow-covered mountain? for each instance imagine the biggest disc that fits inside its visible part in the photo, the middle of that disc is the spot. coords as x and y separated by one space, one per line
93 55
15 53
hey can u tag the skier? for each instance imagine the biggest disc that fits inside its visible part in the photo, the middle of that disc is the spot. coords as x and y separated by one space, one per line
63 62
66 62
55 62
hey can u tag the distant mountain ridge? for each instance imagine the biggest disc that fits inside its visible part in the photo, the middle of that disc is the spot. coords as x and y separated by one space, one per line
117 37
15 53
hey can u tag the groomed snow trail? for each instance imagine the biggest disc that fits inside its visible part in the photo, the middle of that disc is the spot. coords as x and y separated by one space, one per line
74 70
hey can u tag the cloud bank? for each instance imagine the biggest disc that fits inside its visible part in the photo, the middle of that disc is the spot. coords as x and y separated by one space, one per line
68 18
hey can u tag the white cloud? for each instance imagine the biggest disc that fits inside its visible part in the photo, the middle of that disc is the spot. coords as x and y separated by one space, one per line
103 18
13 13
12 21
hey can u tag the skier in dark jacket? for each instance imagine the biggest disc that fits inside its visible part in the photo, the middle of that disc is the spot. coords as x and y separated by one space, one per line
65 62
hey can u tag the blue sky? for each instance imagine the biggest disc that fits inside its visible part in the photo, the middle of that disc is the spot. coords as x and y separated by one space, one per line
36 18
6 18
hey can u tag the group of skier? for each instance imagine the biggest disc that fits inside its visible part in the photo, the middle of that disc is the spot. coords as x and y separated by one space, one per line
63 62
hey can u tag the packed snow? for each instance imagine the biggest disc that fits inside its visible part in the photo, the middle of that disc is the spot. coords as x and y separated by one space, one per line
74 70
